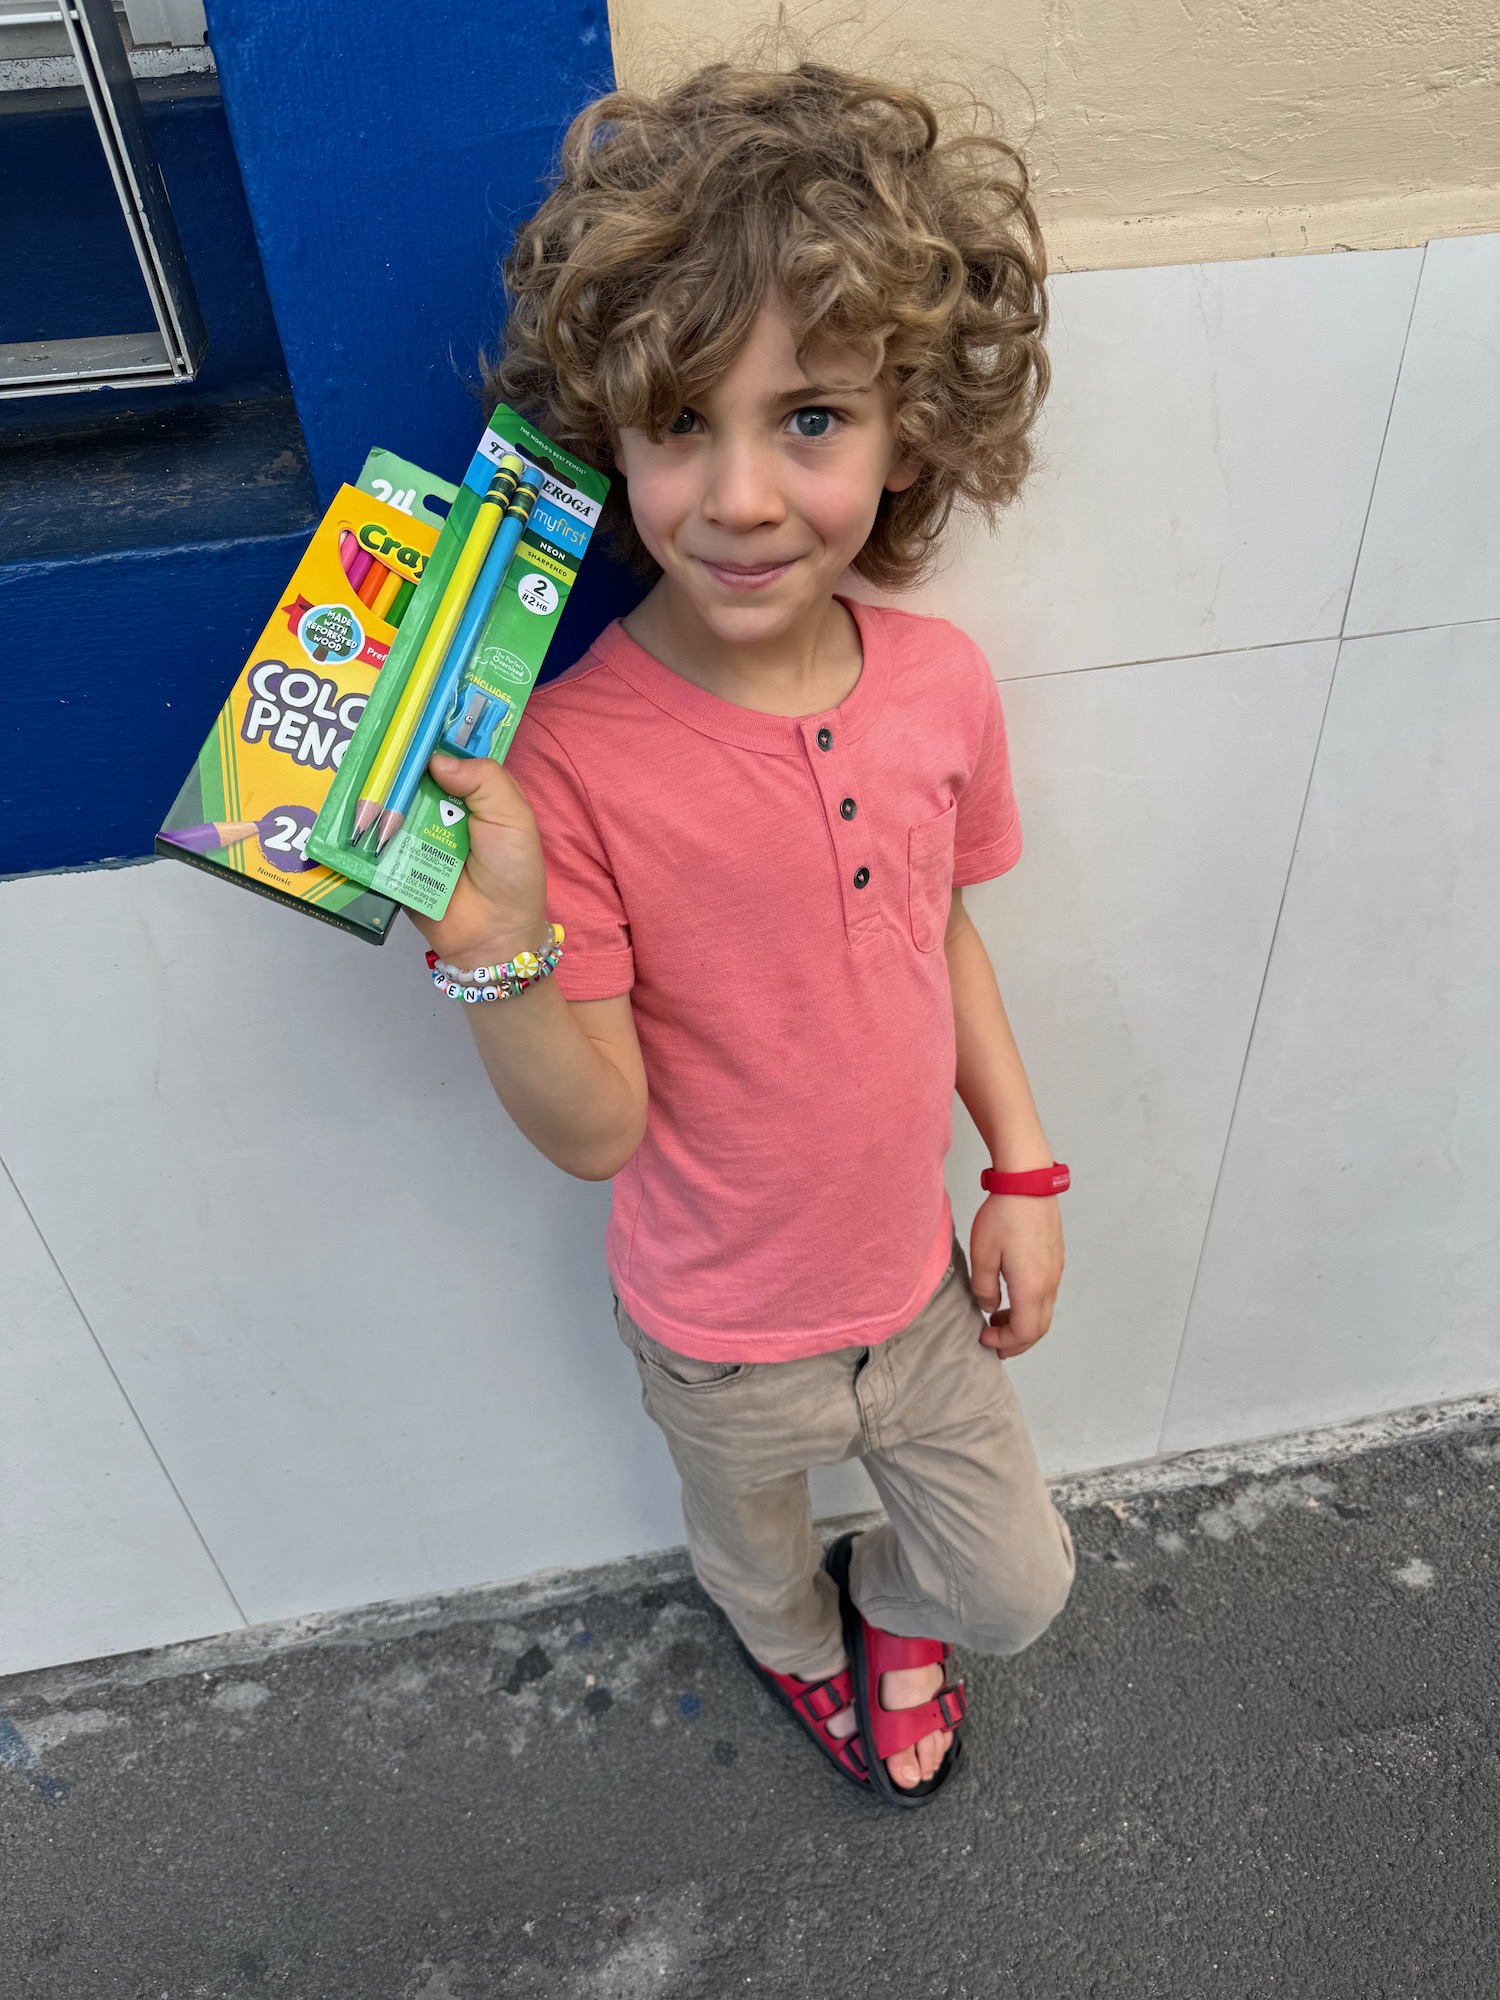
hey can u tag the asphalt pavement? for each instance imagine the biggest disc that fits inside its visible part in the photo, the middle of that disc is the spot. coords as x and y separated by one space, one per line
1256 1756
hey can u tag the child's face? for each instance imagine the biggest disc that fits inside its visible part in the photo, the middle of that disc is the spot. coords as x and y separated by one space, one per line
765 491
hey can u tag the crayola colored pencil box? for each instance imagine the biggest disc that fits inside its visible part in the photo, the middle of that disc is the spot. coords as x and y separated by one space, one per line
463 664
252 798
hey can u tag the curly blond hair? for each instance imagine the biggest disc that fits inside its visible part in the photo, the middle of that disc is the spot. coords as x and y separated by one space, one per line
674 217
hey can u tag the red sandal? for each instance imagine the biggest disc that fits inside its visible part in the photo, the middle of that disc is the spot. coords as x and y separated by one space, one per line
814 1704
872 1653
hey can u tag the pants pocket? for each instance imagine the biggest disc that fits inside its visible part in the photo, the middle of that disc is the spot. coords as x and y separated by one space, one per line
665 1365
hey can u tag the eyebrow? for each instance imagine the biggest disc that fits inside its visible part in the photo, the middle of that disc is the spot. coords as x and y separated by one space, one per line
815 392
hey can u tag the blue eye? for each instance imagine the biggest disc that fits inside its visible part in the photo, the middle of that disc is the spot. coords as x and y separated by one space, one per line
681 424
811 423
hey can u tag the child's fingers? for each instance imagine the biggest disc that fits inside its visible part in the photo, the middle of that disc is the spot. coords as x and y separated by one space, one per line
500 899
1020 1325
490 793
1030 1314
997 1333
984 1267
1001 1335
985 1285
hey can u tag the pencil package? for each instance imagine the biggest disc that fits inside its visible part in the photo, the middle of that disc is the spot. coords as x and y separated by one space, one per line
249 805
462 665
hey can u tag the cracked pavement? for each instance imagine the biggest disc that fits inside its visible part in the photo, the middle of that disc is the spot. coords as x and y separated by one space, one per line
1257 1755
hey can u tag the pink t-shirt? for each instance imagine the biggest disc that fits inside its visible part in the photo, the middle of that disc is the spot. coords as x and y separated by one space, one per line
772 892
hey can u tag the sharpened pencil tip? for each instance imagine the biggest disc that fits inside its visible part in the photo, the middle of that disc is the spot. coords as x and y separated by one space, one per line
390 826
365 815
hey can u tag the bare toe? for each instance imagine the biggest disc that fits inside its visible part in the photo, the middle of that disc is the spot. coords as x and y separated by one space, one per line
905 1769
932 1750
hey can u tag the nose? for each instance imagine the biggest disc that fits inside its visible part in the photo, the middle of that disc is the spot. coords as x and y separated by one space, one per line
742 491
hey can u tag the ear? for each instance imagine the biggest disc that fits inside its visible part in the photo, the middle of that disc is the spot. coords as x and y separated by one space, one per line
905 471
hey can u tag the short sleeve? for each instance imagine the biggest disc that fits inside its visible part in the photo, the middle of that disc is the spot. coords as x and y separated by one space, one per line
582 894
987 839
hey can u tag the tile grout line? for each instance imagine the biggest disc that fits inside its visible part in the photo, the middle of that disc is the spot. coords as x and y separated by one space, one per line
62 1279
1339 638
1166 659
1286 884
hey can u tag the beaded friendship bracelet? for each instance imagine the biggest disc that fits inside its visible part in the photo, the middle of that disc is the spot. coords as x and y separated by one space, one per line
498 982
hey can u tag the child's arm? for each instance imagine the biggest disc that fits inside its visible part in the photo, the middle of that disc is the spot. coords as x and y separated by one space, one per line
1017 1237
569 1074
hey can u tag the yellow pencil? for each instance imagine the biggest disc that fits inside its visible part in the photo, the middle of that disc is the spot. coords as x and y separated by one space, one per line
424 668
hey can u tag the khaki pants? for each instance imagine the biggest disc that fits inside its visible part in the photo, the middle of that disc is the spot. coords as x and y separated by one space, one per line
973 1550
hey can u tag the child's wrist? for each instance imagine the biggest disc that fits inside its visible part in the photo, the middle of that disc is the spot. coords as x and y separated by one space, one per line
506 979
500 945
1020 1155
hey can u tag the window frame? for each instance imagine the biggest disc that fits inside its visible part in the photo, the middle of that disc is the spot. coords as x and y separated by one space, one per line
173 350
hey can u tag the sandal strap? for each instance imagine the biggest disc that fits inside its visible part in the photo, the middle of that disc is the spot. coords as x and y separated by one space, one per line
896 1729
820 1701
850 1754
889 1650
816 1703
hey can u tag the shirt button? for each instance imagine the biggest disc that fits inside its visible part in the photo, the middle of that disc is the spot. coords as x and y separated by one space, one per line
847 809
825 739
861 876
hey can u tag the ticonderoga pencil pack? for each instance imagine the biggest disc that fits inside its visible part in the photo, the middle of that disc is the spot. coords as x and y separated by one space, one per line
250 802
465 660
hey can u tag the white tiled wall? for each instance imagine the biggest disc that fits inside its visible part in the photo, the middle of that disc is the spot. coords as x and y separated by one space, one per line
1266 1042
1206 459
1353 1262
1131 943
365 1326
97 1552
1432 550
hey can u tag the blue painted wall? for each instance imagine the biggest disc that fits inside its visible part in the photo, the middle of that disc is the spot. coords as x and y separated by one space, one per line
386 154
127 660
144 535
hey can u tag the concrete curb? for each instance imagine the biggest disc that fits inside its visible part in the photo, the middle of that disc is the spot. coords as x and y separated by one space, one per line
1215 1464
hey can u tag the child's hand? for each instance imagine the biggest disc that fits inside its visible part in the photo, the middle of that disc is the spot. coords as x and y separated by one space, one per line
499 904
1018 1238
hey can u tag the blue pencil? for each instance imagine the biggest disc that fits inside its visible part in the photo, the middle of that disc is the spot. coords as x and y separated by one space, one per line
460 653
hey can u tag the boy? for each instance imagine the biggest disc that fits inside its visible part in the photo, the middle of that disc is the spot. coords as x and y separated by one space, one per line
796 327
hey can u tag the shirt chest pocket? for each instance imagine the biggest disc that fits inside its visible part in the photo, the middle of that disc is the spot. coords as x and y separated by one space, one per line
929 889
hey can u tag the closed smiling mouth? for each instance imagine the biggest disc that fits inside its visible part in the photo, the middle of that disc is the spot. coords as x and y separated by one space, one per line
746 576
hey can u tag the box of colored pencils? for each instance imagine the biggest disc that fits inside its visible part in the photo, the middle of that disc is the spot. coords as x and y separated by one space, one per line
251 800
462 665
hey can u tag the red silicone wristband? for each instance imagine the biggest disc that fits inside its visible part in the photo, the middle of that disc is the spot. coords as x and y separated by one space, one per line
1040 1180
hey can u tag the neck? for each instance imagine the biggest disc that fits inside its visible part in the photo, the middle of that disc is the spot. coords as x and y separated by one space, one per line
804 670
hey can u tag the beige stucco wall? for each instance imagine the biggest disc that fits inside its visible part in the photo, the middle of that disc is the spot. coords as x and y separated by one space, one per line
1172 131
